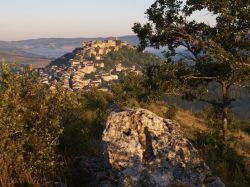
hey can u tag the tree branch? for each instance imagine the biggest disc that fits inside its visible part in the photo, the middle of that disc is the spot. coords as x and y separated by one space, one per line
184 44
248 65
197 77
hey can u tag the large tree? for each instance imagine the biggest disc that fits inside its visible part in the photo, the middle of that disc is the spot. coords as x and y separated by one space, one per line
218 52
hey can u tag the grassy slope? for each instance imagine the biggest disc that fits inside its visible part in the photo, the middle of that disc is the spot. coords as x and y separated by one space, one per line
190 123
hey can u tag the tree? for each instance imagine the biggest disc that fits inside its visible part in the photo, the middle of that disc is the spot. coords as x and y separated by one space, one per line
149 86
217 53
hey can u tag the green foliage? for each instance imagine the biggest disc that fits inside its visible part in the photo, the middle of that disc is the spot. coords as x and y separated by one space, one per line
155 82
30 125
171 113
217 53
152 85
129 57
214 115
129 89
83 124
222 158
41 129
138 88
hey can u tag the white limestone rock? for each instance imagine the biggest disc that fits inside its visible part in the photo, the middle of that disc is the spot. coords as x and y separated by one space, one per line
143 149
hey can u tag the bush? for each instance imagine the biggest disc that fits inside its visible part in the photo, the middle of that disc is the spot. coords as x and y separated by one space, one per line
222 158
83 124
130 90
171 113
214 115
42 130
30 127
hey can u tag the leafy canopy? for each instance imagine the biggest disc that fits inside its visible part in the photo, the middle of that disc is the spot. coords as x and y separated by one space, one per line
219 52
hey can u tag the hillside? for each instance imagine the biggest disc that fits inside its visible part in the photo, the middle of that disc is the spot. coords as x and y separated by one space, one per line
129 57
56 47
192 123
14 55
97 64
75 120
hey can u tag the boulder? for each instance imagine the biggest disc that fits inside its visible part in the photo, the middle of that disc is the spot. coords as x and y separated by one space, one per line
142 149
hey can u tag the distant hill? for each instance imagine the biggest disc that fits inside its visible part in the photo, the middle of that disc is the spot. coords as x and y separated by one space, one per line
40 52
56 47
14 55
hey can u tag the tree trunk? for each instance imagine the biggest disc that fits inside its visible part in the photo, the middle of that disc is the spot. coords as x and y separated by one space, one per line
225 106
225 122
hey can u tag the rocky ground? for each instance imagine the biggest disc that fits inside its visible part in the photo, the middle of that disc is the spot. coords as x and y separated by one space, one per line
141 149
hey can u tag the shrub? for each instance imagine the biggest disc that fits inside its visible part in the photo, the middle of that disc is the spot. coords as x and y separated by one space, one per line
30 126
214 115
83 124
41 129
171 113
222 157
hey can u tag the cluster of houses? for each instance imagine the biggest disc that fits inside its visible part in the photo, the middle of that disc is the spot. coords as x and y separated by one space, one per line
95 50
87 69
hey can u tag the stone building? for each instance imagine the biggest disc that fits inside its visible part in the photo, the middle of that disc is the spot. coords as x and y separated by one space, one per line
109 77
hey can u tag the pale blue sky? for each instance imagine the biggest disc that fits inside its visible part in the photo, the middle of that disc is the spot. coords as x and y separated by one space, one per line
25 19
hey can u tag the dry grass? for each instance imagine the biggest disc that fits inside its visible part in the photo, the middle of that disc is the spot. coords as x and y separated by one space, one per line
188 119
159 108
243 147
13 174
190 123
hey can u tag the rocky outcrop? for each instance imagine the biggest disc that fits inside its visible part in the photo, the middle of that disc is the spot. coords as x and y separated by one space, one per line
142 149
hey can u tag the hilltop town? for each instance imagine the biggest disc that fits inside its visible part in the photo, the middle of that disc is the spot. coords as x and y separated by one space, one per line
86 70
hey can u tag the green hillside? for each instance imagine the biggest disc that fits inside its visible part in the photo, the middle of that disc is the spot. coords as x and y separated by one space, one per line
128 57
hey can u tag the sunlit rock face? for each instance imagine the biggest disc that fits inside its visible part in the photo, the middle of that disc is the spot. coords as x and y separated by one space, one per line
143 149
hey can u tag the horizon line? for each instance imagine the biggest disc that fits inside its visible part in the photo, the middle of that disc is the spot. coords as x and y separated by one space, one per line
83 37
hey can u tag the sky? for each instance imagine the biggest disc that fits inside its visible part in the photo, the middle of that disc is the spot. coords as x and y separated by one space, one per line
26 19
